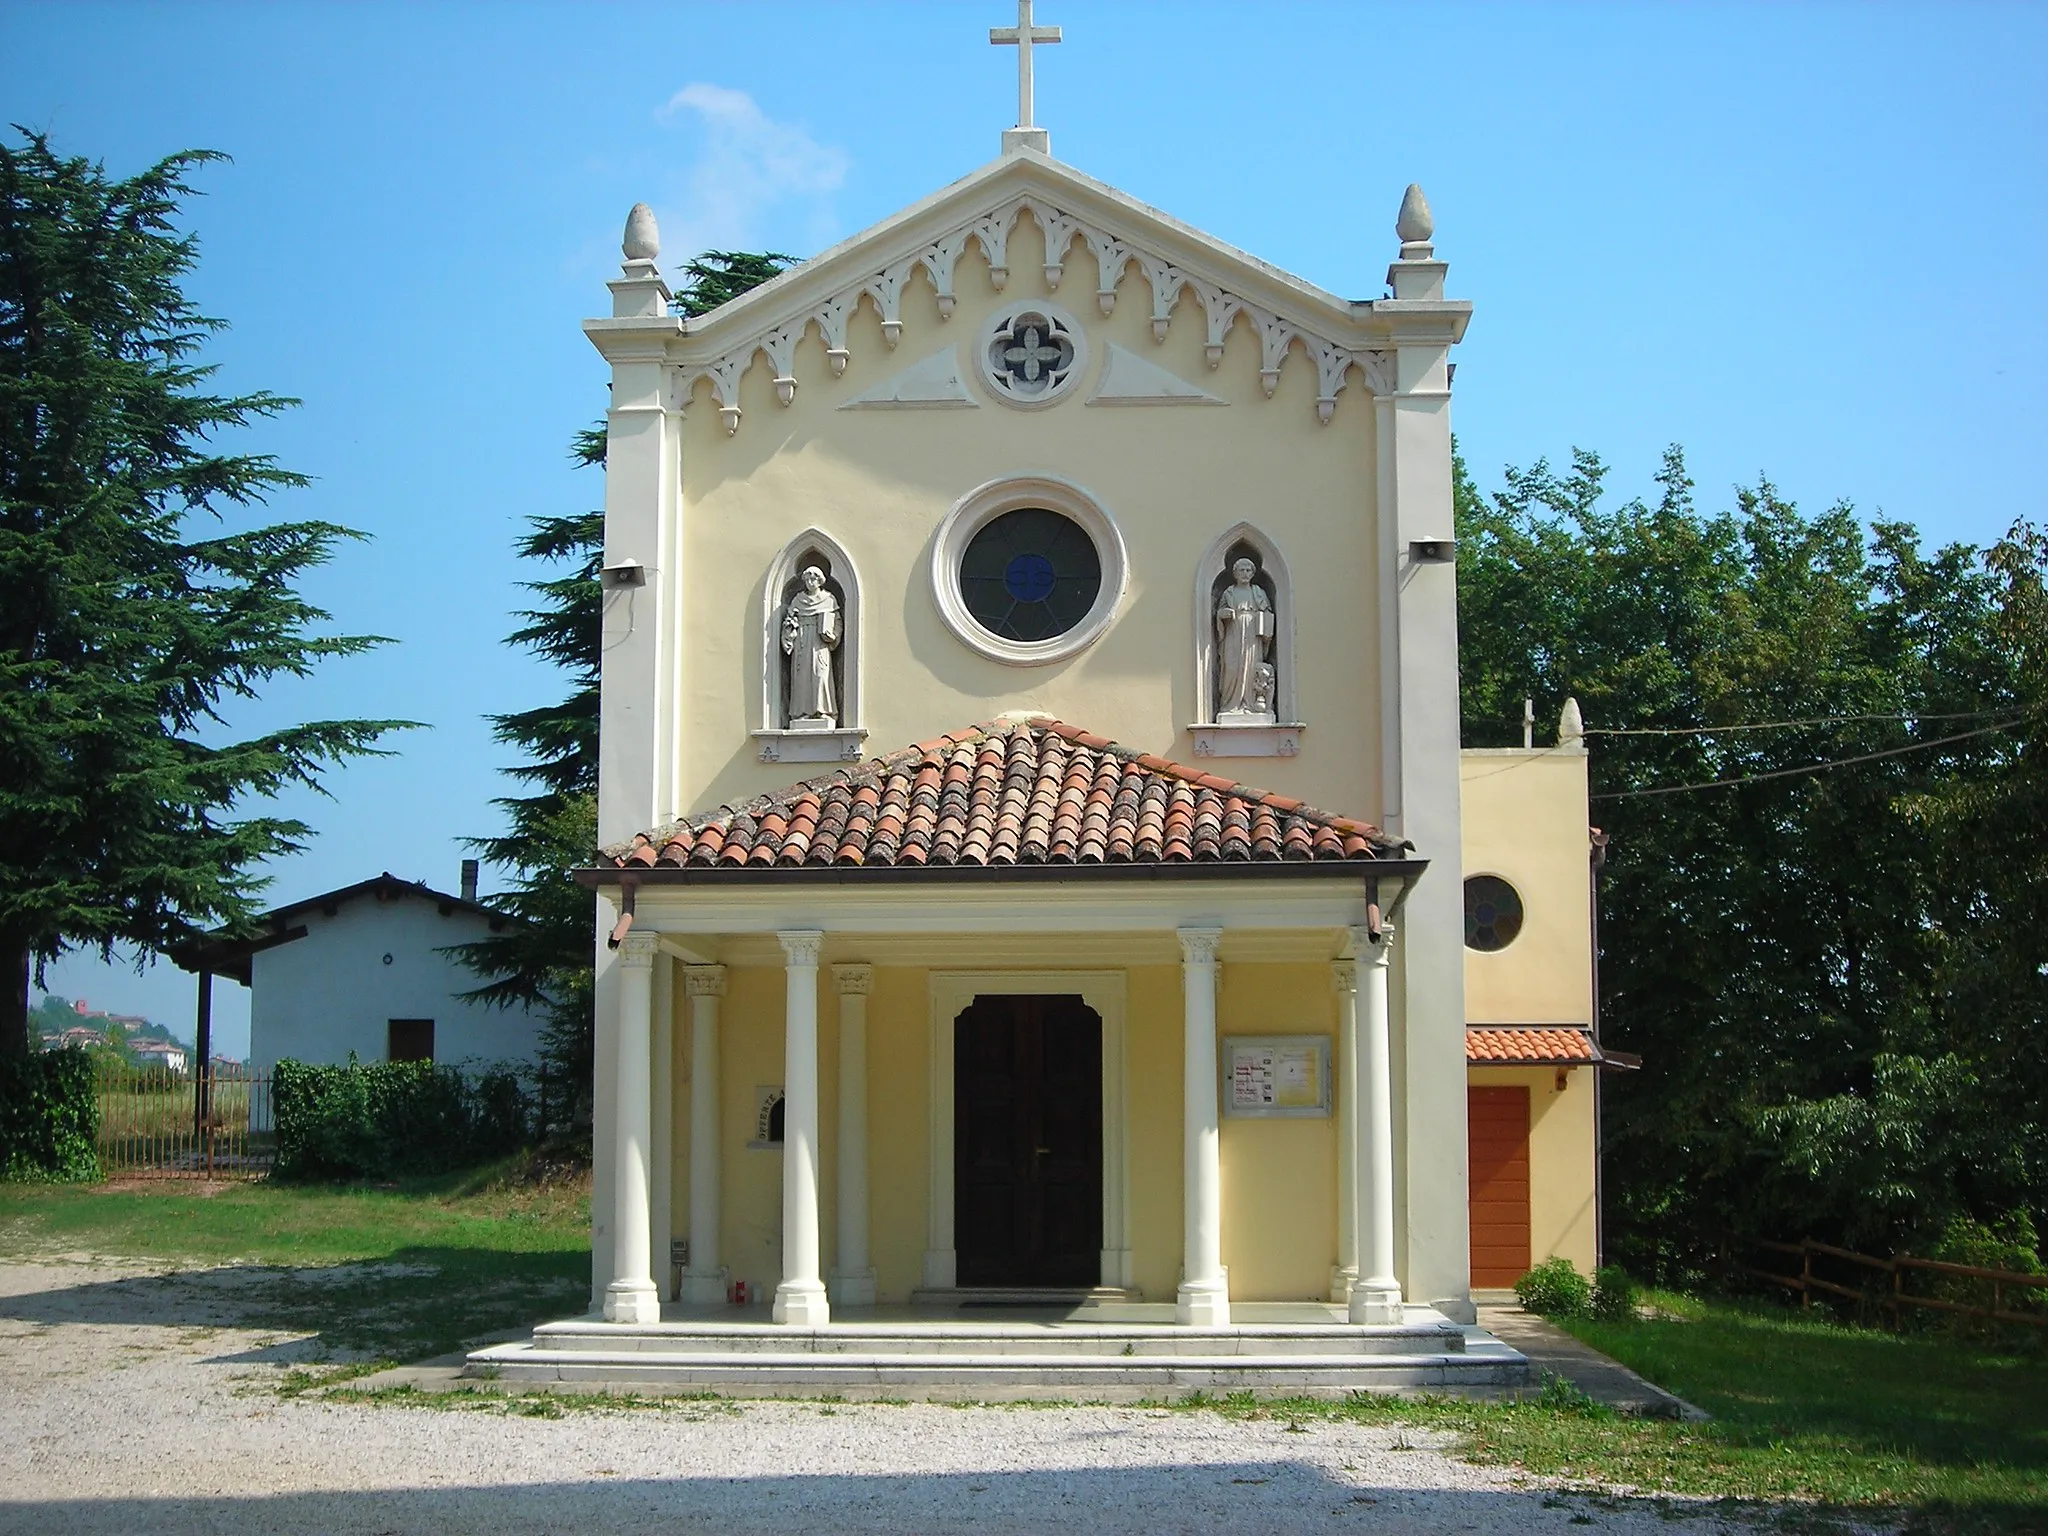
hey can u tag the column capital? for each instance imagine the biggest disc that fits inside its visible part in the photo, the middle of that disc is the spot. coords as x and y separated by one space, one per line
801 945
638 949
853 980
1198 946
704 980
1372 954
1344 975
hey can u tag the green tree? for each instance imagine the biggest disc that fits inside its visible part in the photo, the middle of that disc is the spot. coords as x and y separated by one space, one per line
1800 952
544 960
126 626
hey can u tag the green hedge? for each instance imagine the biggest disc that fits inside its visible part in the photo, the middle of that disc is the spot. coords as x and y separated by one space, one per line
49 1116
395 1117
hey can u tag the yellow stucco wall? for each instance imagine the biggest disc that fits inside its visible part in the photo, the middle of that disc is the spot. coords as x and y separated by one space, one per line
1279 1177
1172 478
1525 820
1561 1151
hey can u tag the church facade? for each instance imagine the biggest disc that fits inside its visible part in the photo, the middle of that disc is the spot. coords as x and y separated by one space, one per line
1038 856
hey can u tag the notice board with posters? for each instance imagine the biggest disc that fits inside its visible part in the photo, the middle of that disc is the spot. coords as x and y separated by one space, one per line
1276 1076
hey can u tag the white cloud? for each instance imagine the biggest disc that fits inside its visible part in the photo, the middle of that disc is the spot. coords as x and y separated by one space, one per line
756 182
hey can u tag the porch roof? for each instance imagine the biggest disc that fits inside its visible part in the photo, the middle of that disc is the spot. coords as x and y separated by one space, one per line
1011 797
1533 1045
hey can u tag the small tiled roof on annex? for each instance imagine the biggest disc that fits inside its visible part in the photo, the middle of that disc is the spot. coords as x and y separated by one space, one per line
1530 1046
1005 793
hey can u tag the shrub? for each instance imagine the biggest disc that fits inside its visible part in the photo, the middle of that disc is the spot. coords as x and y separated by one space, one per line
1614 1294
1555 1289
49 1116
393 1117
2009 1244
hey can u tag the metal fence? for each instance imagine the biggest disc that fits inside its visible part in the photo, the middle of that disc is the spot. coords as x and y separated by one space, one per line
211 1124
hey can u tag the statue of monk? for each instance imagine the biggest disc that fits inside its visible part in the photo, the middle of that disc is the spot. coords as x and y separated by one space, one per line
1244 640
810 634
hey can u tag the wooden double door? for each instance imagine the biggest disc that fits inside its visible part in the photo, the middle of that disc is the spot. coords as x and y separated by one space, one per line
1027 1142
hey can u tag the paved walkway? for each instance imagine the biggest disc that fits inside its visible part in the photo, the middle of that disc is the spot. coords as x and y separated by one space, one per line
1604 1379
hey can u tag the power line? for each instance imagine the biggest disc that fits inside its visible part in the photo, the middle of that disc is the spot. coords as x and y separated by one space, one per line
1788 773
1781 725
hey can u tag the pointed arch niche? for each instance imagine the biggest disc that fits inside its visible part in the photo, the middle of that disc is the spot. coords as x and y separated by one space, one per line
1282 736
774 740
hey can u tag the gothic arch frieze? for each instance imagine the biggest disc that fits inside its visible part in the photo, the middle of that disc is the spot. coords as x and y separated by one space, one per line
1280 336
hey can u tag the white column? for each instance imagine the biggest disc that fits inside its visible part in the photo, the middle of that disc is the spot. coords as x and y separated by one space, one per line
1376 1297
631 1296
853 1278
704 1281
662 1147
800 1298
1204 1298
1344 1273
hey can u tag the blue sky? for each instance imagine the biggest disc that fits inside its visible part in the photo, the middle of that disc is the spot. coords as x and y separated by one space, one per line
1799 239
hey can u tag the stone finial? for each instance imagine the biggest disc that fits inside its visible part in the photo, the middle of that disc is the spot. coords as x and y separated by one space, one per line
1571 726
1414 224
643 235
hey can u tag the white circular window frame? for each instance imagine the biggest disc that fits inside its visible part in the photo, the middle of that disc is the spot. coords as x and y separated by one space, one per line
982 506
1004 319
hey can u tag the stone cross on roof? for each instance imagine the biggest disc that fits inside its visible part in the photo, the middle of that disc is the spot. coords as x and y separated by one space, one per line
1023 36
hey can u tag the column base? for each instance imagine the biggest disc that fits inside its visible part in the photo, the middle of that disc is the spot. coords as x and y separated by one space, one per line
854 1290
1376 1302
704 1290
1203 1304
801 1304
1342 1278
632 1301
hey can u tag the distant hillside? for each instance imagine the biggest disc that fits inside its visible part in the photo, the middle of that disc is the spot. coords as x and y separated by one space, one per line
54 1015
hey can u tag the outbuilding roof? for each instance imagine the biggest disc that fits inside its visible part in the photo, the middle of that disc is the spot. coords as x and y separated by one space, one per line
1532 1045
1012 794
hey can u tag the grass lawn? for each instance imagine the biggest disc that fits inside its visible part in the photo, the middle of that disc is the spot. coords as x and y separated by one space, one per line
1943 1435
399 1272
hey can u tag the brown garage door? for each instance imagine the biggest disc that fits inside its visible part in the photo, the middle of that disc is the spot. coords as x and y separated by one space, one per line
1497 1125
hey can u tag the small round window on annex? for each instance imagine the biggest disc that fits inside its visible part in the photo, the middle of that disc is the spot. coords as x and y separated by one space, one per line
1027 570
1493 913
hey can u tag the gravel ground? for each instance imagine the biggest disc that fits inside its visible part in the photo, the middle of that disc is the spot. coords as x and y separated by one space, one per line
136 1400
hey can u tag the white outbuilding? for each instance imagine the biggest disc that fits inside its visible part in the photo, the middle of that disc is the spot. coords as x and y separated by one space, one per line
369 970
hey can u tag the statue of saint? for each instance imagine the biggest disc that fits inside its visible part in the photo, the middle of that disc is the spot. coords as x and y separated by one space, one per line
810 634
1245 680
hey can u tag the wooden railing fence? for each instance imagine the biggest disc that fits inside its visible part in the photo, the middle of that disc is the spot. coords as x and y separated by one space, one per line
1889 1293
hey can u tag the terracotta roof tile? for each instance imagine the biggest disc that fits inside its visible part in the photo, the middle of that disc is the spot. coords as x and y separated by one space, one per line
1011 792
1530 1045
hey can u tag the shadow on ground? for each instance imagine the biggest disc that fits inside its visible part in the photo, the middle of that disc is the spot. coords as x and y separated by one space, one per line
416 1303
1240 1498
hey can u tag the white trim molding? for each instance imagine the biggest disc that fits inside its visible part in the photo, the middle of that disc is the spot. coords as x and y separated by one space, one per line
775 743
952 992
982 506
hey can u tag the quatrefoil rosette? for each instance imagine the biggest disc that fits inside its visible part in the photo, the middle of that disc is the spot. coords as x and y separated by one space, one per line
1031 353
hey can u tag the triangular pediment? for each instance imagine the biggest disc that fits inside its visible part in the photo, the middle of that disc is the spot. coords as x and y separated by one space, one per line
1093 236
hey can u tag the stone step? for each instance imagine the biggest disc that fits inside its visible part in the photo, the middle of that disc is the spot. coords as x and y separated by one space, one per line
999 1375
986 1340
